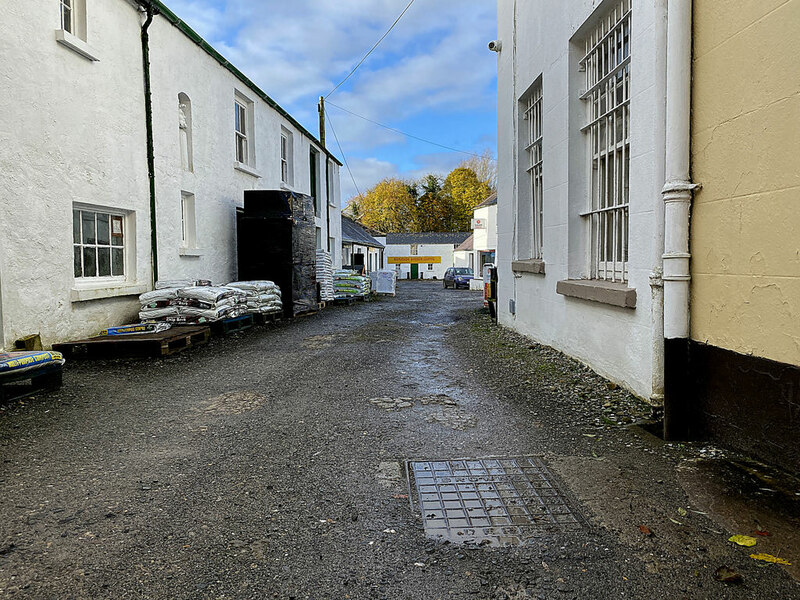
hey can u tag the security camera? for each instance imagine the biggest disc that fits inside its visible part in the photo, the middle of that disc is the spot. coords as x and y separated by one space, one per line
495 45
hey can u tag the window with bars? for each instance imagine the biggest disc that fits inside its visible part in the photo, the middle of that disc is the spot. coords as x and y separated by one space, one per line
607 97
67 16
532 115
98 243
241 127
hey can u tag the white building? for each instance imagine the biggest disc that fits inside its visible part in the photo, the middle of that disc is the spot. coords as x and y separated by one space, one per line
581 154
77 241
359 247
422 255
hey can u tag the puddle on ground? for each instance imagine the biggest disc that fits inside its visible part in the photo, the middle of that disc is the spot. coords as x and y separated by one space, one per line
319 342
234 403
749 498
454 419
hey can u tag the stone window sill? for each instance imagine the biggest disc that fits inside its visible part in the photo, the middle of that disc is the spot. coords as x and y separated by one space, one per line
530 265
246 169
190 251
82 294
597 290
76 44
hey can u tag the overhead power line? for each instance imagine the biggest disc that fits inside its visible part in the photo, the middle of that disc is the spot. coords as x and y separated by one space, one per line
407 134
371 49
344 158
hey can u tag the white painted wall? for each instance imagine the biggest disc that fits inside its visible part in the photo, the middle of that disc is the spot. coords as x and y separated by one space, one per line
614 341
179 66
486 239
72 130
444 251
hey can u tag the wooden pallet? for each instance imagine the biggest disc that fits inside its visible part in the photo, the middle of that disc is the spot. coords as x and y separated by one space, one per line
233 325
345 301
265 318
175 339
44 379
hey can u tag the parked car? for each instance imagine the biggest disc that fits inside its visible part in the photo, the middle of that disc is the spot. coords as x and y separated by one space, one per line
458 277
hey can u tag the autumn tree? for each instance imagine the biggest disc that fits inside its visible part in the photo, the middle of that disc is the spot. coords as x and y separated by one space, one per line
433 211
484 167
388 206
463 191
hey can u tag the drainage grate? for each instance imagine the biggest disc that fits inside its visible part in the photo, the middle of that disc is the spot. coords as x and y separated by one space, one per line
490 501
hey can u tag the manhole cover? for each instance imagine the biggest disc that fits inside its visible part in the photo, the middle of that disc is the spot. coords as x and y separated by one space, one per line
492 501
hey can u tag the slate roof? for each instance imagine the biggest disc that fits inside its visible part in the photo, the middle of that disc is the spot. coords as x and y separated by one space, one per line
447 237
469 244
354 233
492 199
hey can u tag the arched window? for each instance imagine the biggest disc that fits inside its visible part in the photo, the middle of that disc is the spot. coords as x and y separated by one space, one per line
185 131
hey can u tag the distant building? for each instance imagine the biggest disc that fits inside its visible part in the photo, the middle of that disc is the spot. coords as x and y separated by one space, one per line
83 231
359 248
422 255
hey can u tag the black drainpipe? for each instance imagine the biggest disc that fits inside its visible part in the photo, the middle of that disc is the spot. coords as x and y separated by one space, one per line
148 109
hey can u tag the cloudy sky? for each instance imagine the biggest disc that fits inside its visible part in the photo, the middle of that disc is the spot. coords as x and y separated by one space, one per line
432 76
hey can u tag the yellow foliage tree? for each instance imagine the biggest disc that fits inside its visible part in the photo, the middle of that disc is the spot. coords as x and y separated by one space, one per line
464 191
388 207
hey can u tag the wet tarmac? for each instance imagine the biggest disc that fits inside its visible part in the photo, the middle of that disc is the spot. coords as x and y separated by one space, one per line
273 464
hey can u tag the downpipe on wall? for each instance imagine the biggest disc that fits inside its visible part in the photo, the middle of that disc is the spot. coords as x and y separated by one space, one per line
679 408
150 11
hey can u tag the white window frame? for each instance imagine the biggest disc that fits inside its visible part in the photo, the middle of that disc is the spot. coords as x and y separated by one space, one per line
114 216
430 266
67 9
188 221
532 114
241 129
607 98
287 157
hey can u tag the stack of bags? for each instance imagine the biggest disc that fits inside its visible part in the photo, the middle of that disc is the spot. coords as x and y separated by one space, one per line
349 284
325 275
193 304
261 297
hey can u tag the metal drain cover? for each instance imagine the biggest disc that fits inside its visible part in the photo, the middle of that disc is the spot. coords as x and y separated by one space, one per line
490 501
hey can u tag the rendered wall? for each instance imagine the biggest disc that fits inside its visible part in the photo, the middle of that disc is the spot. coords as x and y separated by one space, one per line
619 343
745 232
72 130
180 66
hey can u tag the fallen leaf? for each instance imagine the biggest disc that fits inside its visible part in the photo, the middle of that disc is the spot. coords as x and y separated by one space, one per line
676 522
761 532
743 540
645 530
681 511
771 559
727 575
589 435
400 496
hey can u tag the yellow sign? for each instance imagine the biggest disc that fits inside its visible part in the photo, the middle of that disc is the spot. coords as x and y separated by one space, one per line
413 260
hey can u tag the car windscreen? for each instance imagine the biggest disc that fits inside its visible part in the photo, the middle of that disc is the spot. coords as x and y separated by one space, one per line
463 271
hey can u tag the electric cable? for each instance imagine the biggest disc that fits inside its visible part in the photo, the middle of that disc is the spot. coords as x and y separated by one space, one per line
371 49
344 158
407 134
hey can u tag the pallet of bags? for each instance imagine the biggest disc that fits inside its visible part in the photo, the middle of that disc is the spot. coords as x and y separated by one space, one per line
193 304
325 275
349 284
261 297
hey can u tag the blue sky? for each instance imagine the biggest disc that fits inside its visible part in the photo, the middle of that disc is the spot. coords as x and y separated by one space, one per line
432 76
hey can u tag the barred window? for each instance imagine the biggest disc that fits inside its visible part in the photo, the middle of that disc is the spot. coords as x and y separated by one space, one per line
607 96
533 148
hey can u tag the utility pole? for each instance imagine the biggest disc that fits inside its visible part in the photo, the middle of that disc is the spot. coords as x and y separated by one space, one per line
321 109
